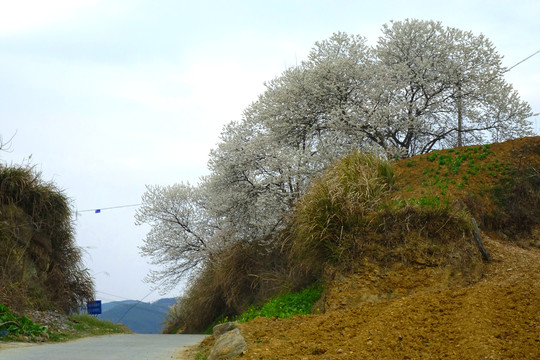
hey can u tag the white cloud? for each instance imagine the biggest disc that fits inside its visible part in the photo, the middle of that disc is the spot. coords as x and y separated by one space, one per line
22 15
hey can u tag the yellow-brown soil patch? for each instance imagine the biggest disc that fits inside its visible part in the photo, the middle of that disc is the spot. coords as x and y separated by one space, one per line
495 318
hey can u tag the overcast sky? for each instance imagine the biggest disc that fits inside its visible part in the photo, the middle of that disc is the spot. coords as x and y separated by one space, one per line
107 96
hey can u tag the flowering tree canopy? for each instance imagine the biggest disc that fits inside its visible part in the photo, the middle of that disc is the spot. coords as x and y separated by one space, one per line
422 86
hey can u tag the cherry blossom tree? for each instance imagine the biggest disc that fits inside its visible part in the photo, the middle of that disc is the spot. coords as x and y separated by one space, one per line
446 88
181 231
422 86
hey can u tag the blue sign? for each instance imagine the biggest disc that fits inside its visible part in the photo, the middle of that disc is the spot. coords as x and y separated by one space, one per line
93 307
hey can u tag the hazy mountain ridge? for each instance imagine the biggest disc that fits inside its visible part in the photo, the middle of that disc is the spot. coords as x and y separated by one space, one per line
140 317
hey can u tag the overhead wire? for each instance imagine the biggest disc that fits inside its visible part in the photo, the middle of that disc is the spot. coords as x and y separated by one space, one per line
98 210
519 62
139 301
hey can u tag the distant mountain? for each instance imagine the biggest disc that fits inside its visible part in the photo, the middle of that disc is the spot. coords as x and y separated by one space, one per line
140 317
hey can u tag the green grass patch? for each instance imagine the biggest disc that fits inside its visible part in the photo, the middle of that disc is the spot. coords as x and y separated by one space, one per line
91 325
285 306
451 167
429 201
282 307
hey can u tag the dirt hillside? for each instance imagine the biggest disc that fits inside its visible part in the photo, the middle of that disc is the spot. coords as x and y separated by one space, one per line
496 318
414 310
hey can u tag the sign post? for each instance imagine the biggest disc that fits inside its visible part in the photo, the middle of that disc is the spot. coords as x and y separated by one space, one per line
93 307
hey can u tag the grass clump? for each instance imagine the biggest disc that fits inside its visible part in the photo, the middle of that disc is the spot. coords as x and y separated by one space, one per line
350 215
429 201
337 204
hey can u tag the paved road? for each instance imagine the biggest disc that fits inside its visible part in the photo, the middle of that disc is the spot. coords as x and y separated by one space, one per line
111 347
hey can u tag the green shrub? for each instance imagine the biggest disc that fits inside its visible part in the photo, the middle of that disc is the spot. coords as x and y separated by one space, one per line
285 306
429 201
12 325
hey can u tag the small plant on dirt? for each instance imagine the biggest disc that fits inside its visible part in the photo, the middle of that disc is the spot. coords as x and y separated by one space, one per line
432 156
429 201
201 356
12 326
299 303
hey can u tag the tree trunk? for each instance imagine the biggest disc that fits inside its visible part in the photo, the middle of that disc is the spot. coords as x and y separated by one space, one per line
478 239
459 116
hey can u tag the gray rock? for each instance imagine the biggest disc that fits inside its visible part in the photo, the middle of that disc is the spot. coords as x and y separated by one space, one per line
228 346
221 329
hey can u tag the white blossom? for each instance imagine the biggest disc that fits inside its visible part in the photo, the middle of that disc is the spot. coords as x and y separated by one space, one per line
423 86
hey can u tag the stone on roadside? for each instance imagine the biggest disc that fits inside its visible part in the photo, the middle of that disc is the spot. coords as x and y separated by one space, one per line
228 346
221 329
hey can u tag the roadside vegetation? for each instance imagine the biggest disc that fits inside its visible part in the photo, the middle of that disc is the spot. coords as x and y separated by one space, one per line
40 265
17 327
13 326
359 157
365 214
285 306
84 325
42 276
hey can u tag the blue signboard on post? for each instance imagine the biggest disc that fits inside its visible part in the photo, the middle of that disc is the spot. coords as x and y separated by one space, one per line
93 307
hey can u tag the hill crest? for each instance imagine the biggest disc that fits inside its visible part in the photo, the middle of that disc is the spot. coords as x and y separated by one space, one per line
423 311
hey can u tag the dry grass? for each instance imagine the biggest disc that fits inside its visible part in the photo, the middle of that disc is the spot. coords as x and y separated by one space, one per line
41 267
350 214
360 218
325 220
241 275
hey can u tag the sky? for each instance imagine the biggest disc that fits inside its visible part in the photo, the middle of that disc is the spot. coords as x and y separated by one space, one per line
105 97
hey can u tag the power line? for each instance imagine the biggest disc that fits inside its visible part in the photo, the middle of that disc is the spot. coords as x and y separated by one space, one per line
138 302
120 297
132 305
527 58
98 210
